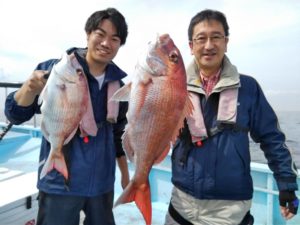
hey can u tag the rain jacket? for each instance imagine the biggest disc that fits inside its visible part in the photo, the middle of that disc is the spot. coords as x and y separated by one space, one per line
91 165
220 168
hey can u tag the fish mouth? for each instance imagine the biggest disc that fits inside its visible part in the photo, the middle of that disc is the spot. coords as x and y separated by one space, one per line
155 64
166 42
160 52
163 39
168 45
151 62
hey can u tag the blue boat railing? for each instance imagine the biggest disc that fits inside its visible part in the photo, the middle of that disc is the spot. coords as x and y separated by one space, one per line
5 89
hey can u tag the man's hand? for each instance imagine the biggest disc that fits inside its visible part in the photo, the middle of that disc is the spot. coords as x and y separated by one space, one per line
31 88
122 163
288 204
37 81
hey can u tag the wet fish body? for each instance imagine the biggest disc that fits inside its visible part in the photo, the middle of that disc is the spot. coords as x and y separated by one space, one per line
65 103
158 104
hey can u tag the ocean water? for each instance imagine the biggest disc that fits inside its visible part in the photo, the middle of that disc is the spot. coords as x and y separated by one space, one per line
289 122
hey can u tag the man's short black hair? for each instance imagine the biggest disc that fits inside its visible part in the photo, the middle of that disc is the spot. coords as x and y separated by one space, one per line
114 16
208 14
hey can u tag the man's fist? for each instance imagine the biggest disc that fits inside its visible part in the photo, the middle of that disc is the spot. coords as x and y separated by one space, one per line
289 203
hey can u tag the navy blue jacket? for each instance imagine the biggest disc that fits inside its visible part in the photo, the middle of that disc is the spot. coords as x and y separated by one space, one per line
220 168
91 165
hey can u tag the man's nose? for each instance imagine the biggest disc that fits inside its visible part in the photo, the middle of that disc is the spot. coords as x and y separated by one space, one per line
208 44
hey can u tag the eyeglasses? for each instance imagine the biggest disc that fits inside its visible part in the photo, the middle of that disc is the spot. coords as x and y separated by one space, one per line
215 39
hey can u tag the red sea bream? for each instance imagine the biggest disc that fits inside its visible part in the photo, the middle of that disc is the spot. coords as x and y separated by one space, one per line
158 103
65 106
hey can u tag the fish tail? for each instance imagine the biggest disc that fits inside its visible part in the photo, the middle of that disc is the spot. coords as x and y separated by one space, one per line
55 162
141 196
143 201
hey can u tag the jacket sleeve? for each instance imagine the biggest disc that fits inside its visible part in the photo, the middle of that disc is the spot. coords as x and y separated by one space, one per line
119 129
265 129
19 114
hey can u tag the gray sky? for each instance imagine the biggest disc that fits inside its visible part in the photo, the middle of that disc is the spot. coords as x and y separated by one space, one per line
263 42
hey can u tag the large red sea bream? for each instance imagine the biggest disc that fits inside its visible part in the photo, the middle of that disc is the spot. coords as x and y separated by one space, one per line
158 103
65 106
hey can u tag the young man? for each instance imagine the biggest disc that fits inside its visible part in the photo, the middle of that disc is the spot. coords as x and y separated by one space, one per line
90 187
211 159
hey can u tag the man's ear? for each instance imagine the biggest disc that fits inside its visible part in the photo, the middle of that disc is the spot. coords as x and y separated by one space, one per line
191 47
226 40
88 36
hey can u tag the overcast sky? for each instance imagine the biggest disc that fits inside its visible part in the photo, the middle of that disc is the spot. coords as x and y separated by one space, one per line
264 39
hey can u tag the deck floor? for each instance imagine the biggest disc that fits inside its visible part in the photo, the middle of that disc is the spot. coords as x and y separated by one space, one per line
128 214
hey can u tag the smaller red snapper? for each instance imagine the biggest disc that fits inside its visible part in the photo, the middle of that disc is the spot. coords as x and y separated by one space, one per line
66 105
158 104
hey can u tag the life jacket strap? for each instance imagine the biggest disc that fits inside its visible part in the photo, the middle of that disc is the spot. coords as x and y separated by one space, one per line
226 126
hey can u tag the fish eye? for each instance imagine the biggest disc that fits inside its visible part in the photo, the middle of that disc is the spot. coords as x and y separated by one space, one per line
173 57
79 71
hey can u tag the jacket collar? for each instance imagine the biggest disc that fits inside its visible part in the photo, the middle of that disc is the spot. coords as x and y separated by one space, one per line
229 77
112 72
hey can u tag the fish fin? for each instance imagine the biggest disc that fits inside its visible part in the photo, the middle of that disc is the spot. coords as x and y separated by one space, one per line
70 136
143 201
44 130
43 94
57 162
127 195
127 146
112 106
87 124
162 155
73 61
146 79
141 196
123 94
187 110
